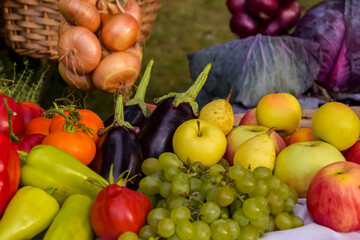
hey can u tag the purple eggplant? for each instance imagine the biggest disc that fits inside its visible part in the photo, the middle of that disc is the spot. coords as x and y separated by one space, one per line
135 110
119 149
171 111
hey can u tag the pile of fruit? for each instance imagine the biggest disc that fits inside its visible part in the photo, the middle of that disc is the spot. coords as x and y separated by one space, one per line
174 171
267 17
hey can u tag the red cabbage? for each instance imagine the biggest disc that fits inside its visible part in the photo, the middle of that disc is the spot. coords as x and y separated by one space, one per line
335 26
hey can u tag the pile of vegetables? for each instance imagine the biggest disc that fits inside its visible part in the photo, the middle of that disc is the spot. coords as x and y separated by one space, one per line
98 44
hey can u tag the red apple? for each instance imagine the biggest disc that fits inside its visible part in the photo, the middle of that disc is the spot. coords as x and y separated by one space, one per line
249 118
303 134
333 198
353 153
240 134
30 110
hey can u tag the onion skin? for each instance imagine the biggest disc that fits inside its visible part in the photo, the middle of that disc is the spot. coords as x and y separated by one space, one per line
136 50
77 81
116 72
134 10
120 32
79 49
81 13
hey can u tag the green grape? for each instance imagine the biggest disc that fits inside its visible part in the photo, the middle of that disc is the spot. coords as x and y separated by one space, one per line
223 162
235 229
150 185
170 171
225 196
289 205
225 212
128 236
166 227
297 221
150 165
162 203
206 187
155 215
284 191
247 184
240 218
165 189
274 182
264 204
220 230
179 184
261 189
237 203
151 197
177 201
197 167
249 232
237 172
275 202
271 226
168 159
262 172
261 222
283 221
201 230
252 208
209 212
184 229
174 237
216 170
146 232
195 184
179 213
293 194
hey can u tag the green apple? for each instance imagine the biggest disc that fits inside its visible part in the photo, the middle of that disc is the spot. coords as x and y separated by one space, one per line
297 164
198 140
337 124
280 110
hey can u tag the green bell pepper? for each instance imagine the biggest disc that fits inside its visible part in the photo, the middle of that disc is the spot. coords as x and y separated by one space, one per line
46 166
29 212
73 220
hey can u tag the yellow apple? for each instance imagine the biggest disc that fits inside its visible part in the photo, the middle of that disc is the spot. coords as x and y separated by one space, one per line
337 124
280 110
198 140
298 163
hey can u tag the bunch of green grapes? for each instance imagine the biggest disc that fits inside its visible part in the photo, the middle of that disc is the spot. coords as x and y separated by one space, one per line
194 201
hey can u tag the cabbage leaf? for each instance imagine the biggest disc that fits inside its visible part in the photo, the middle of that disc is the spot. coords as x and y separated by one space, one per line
255 66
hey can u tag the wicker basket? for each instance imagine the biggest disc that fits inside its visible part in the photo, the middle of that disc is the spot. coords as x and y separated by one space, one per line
30 27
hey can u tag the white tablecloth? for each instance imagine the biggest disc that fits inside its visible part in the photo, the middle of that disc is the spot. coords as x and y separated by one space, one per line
310 230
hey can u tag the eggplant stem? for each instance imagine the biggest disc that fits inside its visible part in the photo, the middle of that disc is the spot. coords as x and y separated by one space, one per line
139 97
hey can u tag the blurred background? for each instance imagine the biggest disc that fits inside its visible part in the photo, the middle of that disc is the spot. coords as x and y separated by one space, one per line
181 27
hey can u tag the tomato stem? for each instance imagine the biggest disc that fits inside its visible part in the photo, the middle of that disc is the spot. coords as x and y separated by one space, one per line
10 113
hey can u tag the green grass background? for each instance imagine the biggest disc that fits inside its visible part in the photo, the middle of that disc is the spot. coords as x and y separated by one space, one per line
181 27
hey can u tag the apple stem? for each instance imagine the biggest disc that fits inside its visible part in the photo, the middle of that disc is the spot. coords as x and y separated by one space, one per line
198 124
270 131
229 95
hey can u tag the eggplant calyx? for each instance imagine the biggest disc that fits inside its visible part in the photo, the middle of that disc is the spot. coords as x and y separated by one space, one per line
139 98
190 95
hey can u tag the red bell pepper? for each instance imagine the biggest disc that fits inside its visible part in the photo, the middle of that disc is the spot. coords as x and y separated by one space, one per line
9 171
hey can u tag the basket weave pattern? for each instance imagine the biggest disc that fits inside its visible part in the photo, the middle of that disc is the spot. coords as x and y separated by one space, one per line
30 27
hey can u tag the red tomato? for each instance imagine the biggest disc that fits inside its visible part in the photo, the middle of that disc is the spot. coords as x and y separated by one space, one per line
9 172
78 144
30 110
118 209
18 123
39 125
89 118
